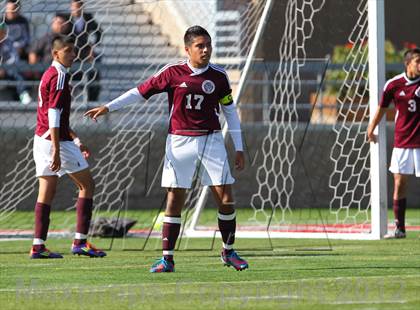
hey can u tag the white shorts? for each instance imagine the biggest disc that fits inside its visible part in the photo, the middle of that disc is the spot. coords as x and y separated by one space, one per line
202 156
405 161
72 159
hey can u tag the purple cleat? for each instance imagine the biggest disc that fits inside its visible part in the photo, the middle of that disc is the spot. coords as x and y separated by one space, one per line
231 258
43 253
87 249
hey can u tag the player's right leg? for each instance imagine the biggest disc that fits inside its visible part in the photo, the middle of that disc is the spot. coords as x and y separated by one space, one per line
47 180
399 206
170 230
178 170
46 192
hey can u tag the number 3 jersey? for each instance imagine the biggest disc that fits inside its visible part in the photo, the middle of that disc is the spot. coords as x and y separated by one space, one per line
194 96
405 94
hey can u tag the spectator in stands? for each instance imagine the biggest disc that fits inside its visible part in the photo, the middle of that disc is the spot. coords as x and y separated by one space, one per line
40 50
18 27
88 35
86 30
10 58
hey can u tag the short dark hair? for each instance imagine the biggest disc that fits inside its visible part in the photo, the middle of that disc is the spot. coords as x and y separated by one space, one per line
61 15
409 54
59 41
193 32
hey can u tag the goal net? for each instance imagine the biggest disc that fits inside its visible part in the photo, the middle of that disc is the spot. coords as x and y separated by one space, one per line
312 168
290 186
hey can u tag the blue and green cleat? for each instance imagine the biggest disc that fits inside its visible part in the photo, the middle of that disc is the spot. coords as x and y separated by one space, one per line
43 253
87 249
163 265
231 258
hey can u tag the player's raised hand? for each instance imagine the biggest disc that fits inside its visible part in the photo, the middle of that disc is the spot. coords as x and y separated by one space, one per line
239 160
96 112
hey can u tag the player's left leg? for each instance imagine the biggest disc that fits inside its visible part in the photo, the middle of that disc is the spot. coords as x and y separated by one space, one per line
227 225
84 205
404 162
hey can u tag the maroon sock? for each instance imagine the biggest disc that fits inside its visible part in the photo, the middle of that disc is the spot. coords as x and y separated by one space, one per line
84 215
170 232
227 227
399 207
42 222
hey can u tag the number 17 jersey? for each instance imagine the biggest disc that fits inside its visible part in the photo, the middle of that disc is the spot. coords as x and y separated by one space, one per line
193 97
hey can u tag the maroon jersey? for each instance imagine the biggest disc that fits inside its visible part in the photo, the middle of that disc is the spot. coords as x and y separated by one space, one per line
193 98
405 94
54 92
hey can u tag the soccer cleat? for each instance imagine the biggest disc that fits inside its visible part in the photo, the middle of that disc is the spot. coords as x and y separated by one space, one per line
396 234
87 249
43 253
232 258
163 265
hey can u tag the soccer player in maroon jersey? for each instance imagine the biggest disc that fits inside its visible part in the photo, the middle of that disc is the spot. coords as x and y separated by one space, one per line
404 91
197 90
57 151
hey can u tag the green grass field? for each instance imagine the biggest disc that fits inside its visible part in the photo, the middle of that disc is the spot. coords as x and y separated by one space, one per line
351 275
294 274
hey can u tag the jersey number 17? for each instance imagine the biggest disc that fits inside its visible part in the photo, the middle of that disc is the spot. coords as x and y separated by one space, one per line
198 100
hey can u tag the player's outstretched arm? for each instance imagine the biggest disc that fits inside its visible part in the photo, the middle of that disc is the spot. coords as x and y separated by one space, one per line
380 112
129 97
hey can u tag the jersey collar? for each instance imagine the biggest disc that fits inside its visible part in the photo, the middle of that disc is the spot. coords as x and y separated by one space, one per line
408 81
59 66
197 71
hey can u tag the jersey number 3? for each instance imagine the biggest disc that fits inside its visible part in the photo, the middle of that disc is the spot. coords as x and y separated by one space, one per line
198 98
412 105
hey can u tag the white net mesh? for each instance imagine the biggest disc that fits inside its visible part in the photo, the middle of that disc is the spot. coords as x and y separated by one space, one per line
349 197
351 179
275 180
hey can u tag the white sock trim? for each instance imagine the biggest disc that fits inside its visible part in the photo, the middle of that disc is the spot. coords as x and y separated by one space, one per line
80 236
227 246
227 217
168 252
38 241
172 220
